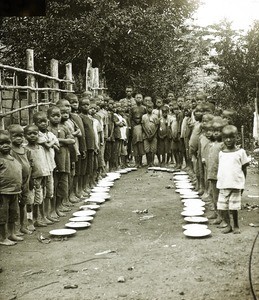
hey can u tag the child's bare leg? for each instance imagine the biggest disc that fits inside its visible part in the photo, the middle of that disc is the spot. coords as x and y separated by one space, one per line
236 229
23 219
3 237
30 217
44 211
225 215
13 236
37 222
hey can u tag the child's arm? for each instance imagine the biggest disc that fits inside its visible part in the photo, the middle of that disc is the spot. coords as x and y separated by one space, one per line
244 168
68 141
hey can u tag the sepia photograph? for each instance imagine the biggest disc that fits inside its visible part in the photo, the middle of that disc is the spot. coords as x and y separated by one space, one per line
129 149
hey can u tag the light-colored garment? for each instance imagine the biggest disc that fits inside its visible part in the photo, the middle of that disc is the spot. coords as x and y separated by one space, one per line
123 129
40 165
230 173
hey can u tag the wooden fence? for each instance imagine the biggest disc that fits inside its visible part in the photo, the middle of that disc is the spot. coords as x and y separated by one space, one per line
22 91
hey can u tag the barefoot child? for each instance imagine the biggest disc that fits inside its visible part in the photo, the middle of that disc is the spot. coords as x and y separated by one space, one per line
10 183
231 178
23 156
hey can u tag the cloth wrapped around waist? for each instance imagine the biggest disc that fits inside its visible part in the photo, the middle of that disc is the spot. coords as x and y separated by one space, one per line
137 135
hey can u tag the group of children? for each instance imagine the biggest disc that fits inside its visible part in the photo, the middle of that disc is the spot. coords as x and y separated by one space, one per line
47 166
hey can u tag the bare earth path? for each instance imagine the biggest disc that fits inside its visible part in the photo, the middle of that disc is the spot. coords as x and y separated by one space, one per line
153 256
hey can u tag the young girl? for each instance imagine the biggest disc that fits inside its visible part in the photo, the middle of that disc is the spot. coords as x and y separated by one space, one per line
231 178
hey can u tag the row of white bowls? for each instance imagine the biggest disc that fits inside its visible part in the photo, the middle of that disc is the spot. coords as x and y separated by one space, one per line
193 209
98 195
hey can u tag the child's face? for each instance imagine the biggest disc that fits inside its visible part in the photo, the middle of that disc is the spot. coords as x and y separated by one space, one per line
180 101
74 105
5 144
42 123
92 110
227 116
198 113
84 106
17 138
64 114
209 133
159 103
67 105
165 113
55 117
138 99
176 110
229 138
217 132
32 135
149 109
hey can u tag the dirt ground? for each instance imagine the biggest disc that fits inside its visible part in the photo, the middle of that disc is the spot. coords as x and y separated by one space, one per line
153 256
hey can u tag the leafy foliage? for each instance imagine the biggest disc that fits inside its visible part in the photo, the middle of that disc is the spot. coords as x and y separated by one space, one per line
134 42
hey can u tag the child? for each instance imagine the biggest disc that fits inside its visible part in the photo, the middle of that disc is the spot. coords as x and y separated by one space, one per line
136 114
212 166
229 115
158 110
40 169
11 184
150 125
231 178
84 105
80 164
23 156
108 156
50 143
163 137
62 157
176 131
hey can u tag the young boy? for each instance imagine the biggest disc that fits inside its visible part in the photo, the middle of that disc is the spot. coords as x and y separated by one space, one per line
163 136
231 178
62 157
40 170
150 125
23 156
11 184
50 143
212 167
136 114
108 156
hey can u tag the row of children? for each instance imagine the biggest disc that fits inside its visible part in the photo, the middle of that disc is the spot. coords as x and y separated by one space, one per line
69 147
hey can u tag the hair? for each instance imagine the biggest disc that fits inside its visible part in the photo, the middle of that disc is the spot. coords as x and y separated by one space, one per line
230 128
83 99
4 132
37 115
165 107
60 102
51 109
209 116
71 97
28 127
15 128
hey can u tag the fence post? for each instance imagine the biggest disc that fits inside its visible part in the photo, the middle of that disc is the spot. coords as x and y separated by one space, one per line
1 104
69 76
55 84
30 82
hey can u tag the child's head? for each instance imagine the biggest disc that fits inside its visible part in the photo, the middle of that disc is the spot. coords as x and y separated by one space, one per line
218 123
180 101
5 142
73 100
165 110
147 99
84 104
92 108
40 120
229 115
54 115
170 97
64 111
198 112
201 97
64 103
150 107
229 136
193 103
206 118
139 99
118 108
208 108
159 103
110 105
16 134
86 94
31 133
129 91
176 109
208 131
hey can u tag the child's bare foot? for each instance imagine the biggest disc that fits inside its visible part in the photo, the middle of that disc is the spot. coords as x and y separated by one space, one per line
212 216
60 214
54 215
47 221
19 233
7 242
31 227
216 221
52 219
39 224
236 230
227 229
25 230
222 225
13 237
